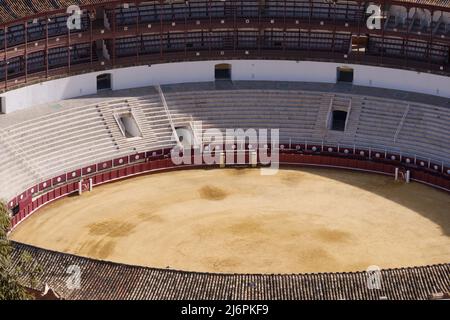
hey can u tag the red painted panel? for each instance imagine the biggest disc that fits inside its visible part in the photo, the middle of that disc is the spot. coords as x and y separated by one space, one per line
122 172
74 174
433 179
446 184
59 179
147 166
113 175
361 153
98 179
137 168
324 160
153 154
33 190
168 163
12 203
24 200
447 171
353 163
106 176
298 158
44 185
120 161
284 157
371 165
422 163
159 164
104 165
341 162
13 221
293 158
436 167
70 188
393 157
129 170
329 149
137 157
388 168
89 170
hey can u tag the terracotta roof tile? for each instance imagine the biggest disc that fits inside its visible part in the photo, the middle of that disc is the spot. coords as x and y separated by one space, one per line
107 280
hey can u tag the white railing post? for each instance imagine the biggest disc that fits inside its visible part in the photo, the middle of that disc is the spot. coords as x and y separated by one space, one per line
402 121
166 108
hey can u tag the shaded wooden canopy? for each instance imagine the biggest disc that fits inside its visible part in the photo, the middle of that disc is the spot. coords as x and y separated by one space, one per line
16 10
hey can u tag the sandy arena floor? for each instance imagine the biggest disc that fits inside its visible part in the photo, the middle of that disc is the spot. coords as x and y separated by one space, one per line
235 220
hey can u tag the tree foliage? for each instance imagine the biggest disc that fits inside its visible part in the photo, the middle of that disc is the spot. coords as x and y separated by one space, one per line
26 269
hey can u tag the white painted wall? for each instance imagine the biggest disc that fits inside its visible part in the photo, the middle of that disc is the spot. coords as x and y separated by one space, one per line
49 91
141 76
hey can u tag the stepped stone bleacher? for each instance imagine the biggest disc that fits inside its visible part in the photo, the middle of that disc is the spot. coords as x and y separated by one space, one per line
426 127
74 137
68 137
374 121
15 175
294 112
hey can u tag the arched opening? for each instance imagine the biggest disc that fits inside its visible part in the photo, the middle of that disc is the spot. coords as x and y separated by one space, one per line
222 71
104 81
338 121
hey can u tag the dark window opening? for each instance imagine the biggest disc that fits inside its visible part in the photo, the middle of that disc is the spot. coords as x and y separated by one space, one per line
15 210
359 43
339 120
223 71
345 75
104 81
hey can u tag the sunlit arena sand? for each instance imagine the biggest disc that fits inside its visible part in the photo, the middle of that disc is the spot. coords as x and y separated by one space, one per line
237 221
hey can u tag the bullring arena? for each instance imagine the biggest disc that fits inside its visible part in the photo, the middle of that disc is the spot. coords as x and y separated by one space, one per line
91 116
237 221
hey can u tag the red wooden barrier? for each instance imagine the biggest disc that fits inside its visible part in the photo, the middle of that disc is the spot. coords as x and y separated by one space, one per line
27 206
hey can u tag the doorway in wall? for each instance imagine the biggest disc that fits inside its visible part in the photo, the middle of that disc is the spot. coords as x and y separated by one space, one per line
344 75
339 118
2 105
222 71
104 82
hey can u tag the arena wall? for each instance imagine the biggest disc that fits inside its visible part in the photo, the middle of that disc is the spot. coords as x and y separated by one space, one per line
48 191
270 70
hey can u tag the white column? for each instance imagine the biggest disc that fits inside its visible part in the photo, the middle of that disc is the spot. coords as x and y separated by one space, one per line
253 159
222 159
408 176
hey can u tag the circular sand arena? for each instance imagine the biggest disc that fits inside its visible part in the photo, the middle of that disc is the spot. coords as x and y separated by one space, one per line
237 221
